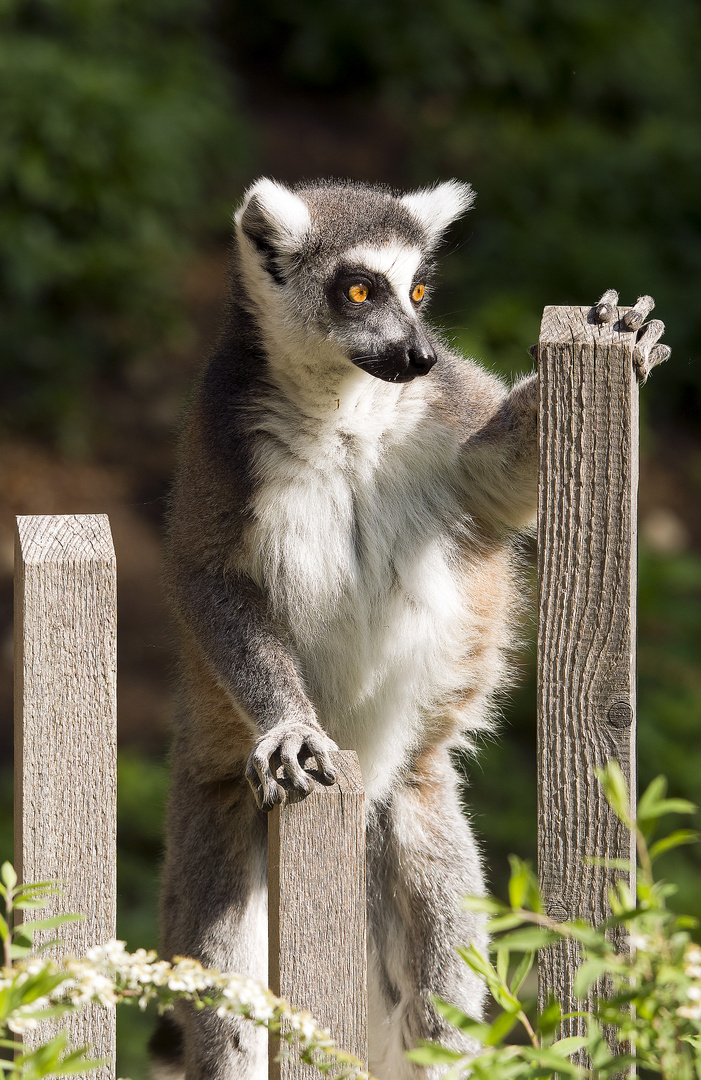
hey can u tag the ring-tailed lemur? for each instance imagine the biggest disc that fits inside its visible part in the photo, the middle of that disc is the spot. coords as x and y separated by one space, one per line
340 560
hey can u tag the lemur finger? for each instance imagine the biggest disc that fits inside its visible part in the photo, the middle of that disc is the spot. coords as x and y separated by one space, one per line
533 350
605 310
644 364
289 759
647 353
650 334
265 787
634 317
323 761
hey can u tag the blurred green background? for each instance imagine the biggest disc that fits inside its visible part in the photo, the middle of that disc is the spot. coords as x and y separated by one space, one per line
128 132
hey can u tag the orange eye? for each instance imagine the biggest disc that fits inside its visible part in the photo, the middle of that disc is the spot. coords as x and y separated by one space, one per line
417 293
358 292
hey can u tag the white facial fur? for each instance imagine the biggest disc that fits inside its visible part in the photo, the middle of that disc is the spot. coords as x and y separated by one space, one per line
436 207
397 262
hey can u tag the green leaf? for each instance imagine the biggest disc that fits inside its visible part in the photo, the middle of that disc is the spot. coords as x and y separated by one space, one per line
569 1045
503 964
528 939
479 963
650 798
505 922
550 1017
482 966
48 924
677 806
29 904
518 882
500 1028
18 952
675 839
523 885
522 970
456 1016
433 1054
545 1056
49 887
8 876
483 903
588 972
624 865
615 788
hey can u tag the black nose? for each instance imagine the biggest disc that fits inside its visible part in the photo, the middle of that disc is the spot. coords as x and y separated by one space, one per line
420 360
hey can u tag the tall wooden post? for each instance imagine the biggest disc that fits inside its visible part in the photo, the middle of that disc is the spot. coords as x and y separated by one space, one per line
586 617
316 899
65 737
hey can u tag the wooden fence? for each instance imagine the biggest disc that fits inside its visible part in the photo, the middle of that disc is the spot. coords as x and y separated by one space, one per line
65 724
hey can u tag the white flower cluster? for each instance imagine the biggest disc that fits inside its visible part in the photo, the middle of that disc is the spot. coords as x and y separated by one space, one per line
692 969
109 974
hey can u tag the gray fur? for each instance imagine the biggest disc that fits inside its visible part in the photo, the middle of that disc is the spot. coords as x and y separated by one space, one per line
340 560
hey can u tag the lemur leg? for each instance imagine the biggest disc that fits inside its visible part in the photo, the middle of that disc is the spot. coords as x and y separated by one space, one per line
214 908
422 860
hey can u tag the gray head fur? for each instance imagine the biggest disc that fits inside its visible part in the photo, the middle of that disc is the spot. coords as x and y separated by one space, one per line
303 249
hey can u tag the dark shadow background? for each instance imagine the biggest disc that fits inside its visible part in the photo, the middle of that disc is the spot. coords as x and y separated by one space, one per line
130 131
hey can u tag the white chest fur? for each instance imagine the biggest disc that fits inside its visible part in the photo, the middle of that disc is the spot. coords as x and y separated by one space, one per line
351 542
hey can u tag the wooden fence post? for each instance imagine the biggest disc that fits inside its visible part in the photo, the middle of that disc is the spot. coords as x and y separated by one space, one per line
65 737
587 562
316 901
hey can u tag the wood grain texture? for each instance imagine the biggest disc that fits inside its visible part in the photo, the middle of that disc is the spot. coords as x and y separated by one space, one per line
317 905
65 737
587 569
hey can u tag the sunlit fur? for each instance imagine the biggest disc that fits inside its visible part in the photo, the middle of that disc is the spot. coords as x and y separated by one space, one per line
341 565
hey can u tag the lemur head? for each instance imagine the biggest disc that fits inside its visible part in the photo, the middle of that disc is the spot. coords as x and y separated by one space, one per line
348 267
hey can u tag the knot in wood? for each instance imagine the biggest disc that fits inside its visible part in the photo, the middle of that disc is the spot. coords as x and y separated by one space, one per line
557 910
620 714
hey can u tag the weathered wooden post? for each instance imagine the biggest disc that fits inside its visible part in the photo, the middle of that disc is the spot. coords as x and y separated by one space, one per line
317 925
65 737
586 617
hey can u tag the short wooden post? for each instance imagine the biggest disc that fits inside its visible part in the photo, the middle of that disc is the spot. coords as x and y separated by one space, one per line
317 926
586 617
65 737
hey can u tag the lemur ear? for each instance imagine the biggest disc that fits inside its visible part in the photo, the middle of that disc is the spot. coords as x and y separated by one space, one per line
273 218
437 206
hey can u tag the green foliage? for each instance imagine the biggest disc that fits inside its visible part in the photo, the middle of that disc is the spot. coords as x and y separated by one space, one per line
117 123
653 998
26 990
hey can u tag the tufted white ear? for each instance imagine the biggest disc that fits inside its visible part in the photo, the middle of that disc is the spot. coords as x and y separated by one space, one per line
272 214
437 206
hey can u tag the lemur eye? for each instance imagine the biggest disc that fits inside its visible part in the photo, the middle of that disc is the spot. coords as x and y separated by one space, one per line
358 292
417 293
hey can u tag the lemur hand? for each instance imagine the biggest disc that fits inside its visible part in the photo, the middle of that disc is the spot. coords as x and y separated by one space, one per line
647 352
286 746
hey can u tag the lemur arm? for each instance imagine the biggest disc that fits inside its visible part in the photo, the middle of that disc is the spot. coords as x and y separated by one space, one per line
500 461
251 661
